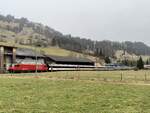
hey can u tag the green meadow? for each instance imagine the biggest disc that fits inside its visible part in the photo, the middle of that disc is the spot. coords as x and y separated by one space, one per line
75 92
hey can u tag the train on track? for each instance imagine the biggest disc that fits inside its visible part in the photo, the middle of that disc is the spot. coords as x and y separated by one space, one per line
48 68
61 67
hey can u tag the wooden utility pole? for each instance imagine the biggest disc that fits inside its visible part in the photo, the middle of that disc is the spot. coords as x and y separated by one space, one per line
36 68
14 55
1 59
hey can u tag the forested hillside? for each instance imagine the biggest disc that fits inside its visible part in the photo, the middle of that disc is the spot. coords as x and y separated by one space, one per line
24 32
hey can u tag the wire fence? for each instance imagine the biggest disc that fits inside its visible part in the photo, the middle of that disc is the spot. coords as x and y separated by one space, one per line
106 76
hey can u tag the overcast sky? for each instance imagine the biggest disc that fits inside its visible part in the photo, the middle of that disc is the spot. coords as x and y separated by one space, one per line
117 20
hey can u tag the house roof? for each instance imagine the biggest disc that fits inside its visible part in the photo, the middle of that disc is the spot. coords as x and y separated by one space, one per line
27 52
69 59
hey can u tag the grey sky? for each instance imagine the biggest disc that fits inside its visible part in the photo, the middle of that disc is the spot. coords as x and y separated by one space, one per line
117 20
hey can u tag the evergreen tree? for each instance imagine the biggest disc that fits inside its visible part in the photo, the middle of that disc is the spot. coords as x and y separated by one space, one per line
101 52
140 63
107 60
147 62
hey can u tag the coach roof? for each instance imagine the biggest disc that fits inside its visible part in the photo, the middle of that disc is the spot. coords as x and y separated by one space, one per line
69 59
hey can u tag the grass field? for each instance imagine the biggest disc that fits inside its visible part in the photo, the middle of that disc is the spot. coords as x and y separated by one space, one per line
74 92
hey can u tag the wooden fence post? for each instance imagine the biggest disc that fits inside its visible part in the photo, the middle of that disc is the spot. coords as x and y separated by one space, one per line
135 78
78 75
121 77
145 77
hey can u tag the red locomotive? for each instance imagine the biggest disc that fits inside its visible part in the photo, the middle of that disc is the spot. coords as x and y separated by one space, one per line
28 68
28 65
